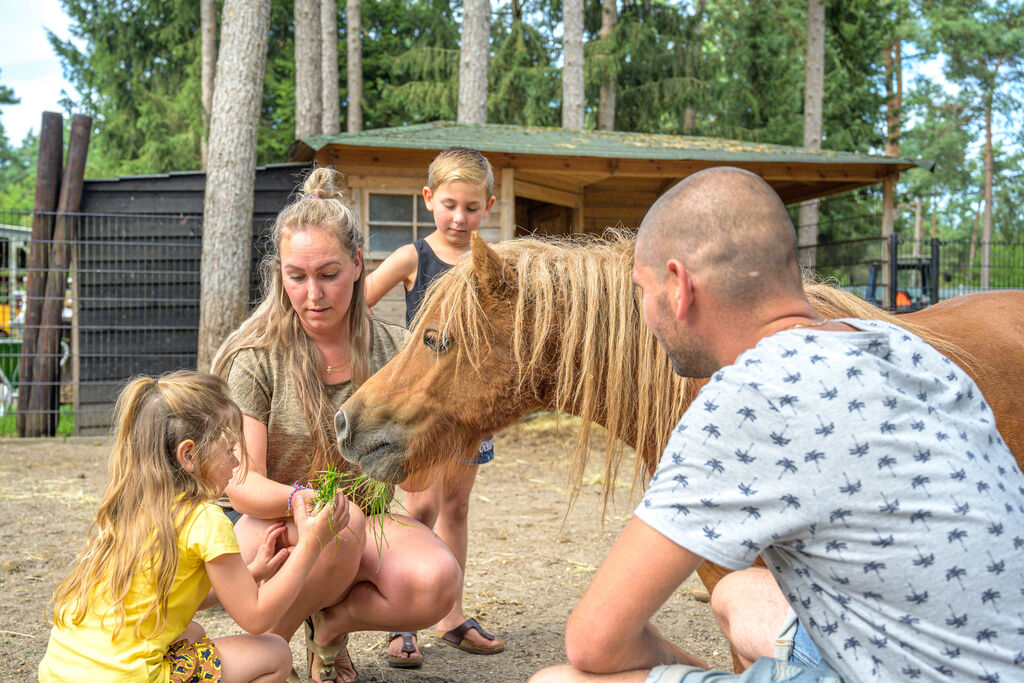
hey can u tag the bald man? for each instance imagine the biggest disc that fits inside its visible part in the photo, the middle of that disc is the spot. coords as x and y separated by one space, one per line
861 464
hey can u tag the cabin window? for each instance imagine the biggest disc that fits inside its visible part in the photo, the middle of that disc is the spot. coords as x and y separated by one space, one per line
396 219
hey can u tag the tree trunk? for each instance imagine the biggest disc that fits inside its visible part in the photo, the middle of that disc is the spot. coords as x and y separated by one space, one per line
329 67
974 242
572 64
208 37
473 61
690 114
228 201
354 42
48 172
892 58
807 235
606 96
986 223
308 99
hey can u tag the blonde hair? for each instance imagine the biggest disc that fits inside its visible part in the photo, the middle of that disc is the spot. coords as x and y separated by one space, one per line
275 327
461 163
150 495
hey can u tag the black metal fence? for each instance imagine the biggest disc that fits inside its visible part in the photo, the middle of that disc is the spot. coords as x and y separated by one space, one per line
131 306
131 301
903 275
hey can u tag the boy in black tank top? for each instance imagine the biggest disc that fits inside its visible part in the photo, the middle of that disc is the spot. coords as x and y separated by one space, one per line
460 194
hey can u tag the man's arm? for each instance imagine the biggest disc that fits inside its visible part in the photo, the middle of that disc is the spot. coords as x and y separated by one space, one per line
609 631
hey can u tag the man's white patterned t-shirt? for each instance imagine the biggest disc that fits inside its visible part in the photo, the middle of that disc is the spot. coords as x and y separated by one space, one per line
865 468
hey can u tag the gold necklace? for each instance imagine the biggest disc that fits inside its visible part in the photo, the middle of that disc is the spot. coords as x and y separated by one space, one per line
793 327
337 368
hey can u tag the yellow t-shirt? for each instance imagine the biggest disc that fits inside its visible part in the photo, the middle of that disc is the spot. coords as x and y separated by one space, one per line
87 652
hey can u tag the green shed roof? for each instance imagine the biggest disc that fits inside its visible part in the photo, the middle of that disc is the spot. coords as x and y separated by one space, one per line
509 139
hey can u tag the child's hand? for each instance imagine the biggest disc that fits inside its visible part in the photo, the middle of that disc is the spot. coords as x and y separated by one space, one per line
269 557
324 522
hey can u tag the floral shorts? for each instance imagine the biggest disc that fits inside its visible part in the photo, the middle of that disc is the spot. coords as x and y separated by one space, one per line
193 662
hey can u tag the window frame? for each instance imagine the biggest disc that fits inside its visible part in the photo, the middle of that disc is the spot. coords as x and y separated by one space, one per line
415 224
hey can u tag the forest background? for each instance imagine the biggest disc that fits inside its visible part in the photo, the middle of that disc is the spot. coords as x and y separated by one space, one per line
721 68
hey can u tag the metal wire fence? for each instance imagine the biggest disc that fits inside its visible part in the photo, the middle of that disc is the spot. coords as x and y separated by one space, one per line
130 303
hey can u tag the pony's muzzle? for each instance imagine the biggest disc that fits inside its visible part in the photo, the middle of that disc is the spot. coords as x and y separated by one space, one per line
378 448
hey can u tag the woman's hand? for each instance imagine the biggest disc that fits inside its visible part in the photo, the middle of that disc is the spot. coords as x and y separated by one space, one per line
269 556
324 522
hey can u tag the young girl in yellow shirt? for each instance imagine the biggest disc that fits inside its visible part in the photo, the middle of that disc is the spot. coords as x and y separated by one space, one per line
158 544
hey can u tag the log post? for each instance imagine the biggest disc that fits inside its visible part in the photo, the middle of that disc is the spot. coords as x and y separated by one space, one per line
45 364
48 170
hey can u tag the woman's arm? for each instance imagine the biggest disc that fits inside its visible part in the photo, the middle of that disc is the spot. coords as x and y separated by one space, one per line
257 495
399 266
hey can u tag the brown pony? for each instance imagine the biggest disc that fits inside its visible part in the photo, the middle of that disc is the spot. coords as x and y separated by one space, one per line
556 324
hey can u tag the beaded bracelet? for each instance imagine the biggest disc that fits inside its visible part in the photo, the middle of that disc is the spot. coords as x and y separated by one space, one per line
295 487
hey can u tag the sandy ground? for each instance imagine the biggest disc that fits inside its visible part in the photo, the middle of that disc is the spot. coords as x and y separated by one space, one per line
528 562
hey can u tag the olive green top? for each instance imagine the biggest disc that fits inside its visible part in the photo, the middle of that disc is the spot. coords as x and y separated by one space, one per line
262 385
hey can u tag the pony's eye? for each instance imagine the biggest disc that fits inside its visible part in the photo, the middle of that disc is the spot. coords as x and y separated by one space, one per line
433 339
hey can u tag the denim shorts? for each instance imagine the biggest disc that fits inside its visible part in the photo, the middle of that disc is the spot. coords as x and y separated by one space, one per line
796 660
484 454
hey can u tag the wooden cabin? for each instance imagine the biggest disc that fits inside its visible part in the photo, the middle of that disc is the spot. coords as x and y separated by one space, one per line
557 181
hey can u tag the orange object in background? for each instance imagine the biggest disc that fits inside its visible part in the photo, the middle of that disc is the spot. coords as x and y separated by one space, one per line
902 299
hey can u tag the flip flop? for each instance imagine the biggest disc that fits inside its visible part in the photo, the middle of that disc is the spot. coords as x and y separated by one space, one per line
399 662
457 638
327 654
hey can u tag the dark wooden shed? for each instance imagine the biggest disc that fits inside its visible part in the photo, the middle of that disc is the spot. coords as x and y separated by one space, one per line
136 291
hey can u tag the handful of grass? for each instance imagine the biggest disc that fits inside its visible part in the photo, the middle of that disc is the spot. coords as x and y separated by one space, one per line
373 498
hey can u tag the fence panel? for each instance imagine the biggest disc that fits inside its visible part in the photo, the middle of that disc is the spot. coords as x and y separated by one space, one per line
131 306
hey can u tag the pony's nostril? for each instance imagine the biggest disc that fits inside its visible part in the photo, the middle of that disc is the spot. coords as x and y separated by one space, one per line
341 426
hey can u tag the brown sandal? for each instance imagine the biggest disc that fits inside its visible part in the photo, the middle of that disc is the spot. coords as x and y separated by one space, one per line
398 661
457 638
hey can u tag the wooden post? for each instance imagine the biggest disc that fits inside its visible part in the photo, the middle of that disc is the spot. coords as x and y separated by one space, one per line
48 169
508 204
45 364
576 226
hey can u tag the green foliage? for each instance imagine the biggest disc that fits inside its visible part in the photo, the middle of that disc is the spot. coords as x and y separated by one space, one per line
137 73
523 79
736 65
17 164
410 62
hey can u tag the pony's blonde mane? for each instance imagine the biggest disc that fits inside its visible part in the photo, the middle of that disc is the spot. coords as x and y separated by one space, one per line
578 336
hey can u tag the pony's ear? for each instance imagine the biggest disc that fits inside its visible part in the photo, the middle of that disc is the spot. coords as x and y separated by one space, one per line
491 273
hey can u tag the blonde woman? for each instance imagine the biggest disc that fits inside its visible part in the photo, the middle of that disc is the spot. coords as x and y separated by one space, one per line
290 366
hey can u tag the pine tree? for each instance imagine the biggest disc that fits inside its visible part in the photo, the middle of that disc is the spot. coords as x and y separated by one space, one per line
522 90
308 90
228 200
354 64
137 73
984 45
331 98
572 64
474 61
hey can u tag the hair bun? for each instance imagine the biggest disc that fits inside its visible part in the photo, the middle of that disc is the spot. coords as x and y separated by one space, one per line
322 183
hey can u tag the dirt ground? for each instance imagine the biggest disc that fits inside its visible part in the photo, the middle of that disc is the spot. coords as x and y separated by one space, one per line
528 563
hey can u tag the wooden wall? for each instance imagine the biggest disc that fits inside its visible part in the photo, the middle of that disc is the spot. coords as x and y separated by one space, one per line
136 290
